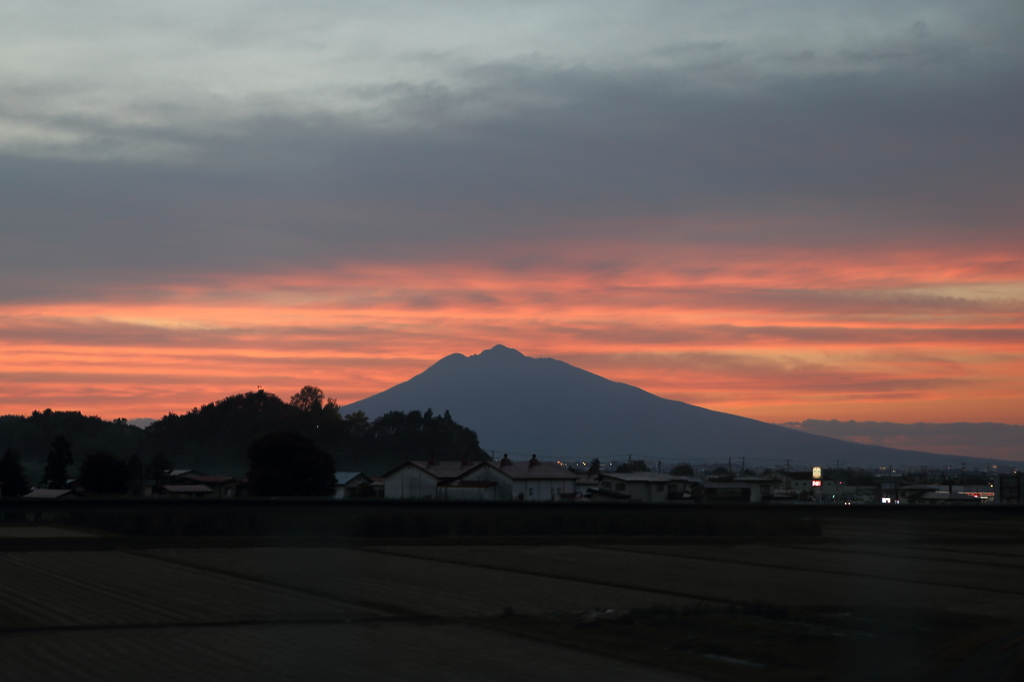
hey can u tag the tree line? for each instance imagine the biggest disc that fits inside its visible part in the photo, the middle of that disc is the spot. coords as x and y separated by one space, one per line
216 437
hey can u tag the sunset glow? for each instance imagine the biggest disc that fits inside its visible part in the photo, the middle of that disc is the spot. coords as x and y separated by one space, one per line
909 337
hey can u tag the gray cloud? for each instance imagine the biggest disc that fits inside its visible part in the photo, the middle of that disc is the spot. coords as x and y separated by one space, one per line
914 137
986 440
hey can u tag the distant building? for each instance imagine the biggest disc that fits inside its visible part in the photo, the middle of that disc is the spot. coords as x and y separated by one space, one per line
1007 489
186 490
348 483
532 481
220 486
419 479
801 481
643 487
49 494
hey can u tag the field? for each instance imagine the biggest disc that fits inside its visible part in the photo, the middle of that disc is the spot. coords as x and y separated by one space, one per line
869 598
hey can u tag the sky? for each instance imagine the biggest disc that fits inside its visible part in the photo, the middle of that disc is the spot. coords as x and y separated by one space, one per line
786 210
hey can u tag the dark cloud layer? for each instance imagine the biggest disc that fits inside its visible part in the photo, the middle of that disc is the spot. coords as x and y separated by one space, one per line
824 159
995 441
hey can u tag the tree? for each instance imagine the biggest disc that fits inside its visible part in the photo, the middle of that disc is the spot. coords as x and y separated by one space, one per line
682 470
55 474
632 466
308 399
136 475
285 464
595 466
13 482
159 465
103 473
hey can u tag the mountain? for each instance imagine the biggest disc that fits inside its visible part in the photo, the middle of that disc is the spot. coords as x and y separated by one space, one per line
525 405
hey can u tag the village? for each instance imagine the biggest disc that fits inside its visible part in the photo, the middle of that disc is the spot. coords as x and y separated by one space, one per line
535 480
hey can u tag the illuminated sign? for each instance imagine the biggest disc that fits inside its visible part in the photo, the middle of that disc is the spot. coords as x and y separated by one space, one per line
816 484
816 472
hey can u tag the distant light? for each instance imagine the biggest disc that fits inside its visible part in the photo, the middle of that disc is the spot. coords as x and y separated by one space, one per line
886 500
816 472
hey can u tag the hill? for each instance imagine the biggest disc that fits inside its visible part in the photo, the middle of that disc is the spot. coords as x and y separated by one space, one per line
215 437
526 405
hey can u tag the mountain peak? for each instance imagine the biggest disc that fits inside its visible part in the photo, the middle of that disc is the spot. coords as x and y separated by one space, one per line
519 404
499 352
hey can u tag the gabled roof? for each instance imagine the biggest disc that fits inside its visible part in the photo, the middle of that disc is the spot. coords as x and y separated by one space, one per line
442 470
188 488
647 477
346 477
459 483
533 470
200 478
47 493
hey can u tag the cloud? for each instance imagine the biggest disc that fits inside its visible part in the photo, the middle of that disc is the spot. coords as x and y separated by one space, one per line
985 440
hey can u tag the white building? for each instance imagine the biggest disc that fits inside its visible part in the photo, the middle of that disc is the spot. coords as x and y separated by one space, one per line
642 487
346 483
419 479
532 481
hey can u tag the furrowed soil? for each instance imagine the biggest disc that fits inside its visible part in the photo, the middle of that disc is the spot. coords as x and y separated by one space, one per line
867 599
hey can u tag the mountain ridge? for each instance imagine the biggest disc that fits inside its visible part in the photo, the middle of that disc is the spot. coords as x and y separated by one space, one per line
523 405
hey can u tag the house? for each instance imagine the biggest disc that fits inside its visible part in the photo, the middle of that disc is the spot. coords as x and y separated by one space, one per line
801 481
468 490
221 486
643 487
49 494
761 487
419 479
532 481
1008 489
719 492
353 484
587 482
186 490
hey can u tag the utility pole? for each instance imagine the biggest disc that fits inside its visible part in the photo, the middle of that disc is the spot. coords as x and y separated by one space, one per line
787 465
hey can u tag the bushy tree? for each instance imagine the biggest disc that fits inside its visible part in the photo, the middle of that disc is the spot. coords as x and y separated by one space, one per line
55 475
311 399
136 475
159 464
13 482
103 473
632 466
286 464
682 470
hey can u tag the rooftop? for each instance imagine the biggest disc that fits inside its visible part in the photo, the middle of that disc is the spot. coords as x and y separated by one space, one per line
532 470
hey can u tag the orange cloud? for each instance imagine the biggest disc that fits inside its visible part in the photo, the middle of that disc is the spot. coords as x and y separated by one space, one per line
772 333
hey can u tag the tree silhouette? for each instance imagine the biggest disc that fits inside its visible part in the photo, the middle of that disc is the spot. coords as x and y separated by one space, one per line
55 475
682 470
136 475
308 399
285 464
13 482
158 466
103 473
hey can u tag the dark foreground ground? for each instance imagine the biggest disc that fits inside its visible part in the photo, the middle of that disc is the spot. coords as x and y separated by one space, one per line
859 596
